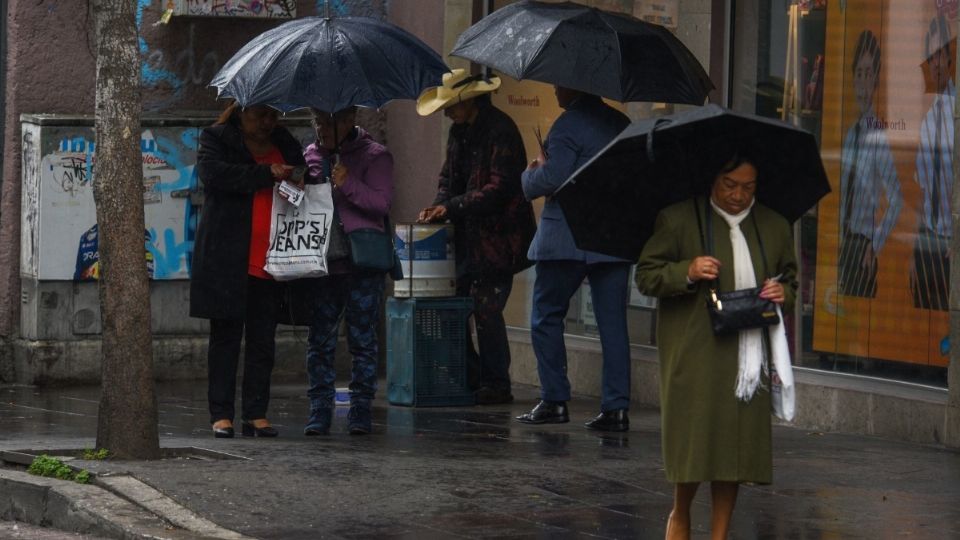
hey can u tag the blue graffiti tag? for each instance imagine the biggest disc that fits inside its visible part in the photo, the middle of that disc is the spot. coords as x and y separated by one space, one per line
177 255
149 75
337 7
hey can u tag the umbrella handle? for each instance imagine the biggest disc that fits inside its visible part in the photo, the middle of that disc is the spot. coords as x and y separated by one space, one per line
660 121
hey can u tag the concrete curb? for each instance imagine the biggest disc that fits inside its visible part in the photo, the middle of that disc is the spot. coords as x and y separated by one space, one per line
155 501
90 509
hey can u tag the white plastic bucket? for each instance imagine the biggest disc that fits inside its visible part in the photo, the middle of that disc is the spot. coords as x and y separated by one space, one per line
426 253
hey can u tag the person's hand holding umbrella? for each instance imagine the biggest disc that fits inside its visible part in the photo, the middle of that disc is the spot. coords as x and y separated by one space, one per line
539 161
339 175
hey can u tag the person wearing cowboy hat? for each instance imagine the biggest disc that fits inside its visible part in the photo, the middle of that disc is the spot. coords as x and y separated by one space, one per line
479 192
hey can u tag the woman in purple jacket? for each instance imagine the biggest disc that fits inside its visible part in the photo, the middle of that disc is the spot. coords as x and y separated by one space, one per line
361 173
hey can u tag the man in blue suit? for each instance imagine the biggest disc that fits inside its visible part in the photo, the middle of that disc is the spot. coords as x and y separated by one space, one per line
585 127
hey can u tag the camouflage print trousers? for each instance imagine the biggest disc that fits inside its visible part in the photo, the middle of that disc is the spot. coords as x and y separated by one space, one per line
357 296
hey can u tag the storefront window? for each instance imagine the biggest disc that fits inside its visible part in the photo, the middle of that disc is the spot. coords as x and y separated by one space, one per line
872 80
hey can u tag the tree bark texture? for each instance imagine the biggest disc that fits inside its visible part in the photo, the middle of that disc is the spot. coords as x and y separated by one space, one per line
127 422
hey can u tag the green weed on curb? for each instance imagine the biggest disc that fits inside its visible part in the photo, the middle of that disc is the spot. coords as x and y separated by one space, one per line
44 465
90 454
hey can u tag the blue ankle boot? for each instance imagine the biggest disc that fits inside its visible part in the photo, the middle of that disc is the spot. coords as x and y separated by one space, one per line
359 420
319 422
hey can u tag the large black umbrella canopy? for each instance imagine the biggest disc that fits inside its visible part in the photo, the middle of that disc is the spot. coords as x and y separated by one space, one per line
608 54
330 64
611 203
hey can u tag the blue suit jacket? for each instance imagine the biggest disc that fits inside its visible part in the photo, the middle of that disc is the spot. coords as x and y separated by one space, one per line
584 129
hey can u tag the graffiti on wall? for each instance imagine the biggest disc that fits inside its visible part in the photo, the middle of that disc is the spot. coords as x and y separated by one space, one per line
177 70
284 9
63 164
353 8
30 229
337 7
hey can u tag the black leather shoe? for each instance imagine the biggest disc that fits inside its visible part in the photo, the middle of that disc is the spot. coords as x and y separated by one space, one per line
223 432
616 420
546 412
250 430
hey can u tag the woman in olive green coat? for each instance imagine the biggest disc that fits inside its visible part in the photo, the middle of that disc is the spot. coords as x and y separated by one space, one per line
708 433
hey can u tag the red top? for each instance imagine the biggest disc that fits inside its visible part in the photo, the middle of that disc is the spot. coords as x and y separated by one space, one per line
260 229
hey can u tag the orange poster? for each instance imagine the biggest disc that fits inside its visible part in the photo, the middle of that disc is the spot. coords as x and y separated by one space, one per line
887 142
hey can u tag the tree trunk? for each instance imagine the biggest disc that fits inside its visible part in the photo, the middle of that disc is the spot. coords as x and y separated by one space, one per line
127 423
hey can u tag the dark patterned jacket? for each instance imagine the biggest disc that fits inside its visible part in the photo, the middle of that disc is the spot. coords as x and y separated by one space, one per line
480 188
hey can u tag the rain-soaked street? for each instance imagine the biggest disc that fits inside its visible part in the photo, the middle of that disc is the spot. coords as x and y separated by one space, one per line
474 473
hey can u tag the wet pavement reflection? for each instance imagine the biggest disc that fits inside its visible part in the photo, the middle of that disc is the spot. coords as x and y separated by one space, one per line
474 472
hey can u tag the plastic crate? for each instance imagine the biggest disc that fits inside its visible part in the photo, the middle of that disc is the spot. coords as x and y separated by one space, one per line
426 352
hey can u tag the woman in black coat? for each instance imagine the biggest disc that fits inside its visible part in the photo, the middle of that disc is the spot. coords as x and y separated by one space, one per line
241 157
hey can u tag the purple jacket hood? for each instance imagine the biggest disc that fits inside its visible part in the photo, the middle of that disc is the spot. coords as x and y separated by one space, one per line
364 200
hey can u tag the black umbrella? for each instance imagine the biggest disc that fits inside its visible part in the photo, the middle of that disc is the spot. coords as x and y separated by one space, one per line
330 64
608 54
611 203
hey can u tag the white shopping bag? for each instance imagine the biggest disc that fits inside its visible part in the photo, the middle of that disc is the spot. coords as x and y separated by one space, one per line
299 234
782 391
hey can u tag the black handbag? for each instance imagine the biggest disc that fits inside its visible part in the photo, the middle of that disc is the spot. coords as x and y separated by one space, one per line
741 309
373 249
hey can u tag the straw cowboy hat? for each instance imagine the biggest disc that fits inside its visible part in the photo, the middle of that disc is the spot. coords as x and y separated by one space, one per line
458 85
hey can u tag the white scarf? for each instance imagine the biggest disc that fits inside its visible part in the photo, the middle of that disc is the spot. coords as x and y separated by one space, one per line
750 355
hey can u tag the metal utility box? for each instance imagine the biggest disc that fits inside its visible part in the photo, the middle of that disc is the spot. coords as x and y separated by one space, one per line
59 261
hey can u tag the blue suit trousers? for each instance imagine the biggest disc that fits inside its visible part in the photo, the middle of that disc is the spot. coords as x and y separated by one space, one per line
556 282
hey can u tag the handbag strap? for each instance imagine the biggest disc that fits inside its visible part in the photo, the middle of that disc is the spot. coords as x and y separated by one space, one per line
707 244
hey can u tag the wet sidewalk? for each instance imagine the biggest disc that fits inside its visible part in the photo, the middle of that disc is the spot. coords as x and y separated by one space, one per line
473 472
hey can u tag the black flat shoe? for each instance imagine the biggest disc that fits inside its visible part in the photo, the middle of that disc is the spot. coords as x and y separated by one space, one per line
616 420
249 430
546 412
223 433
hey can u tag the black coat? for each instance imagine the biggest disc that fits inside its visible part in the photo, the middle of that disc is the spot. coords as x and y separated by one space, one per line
230 176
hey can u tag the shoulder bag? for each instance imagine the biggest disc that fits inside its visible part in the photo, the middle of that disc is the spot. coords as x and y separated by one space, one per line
741 309
373 249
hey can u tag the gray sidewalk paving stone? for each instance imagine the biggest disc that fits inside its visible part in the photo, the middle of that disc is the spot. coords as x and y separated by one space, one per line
473 472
